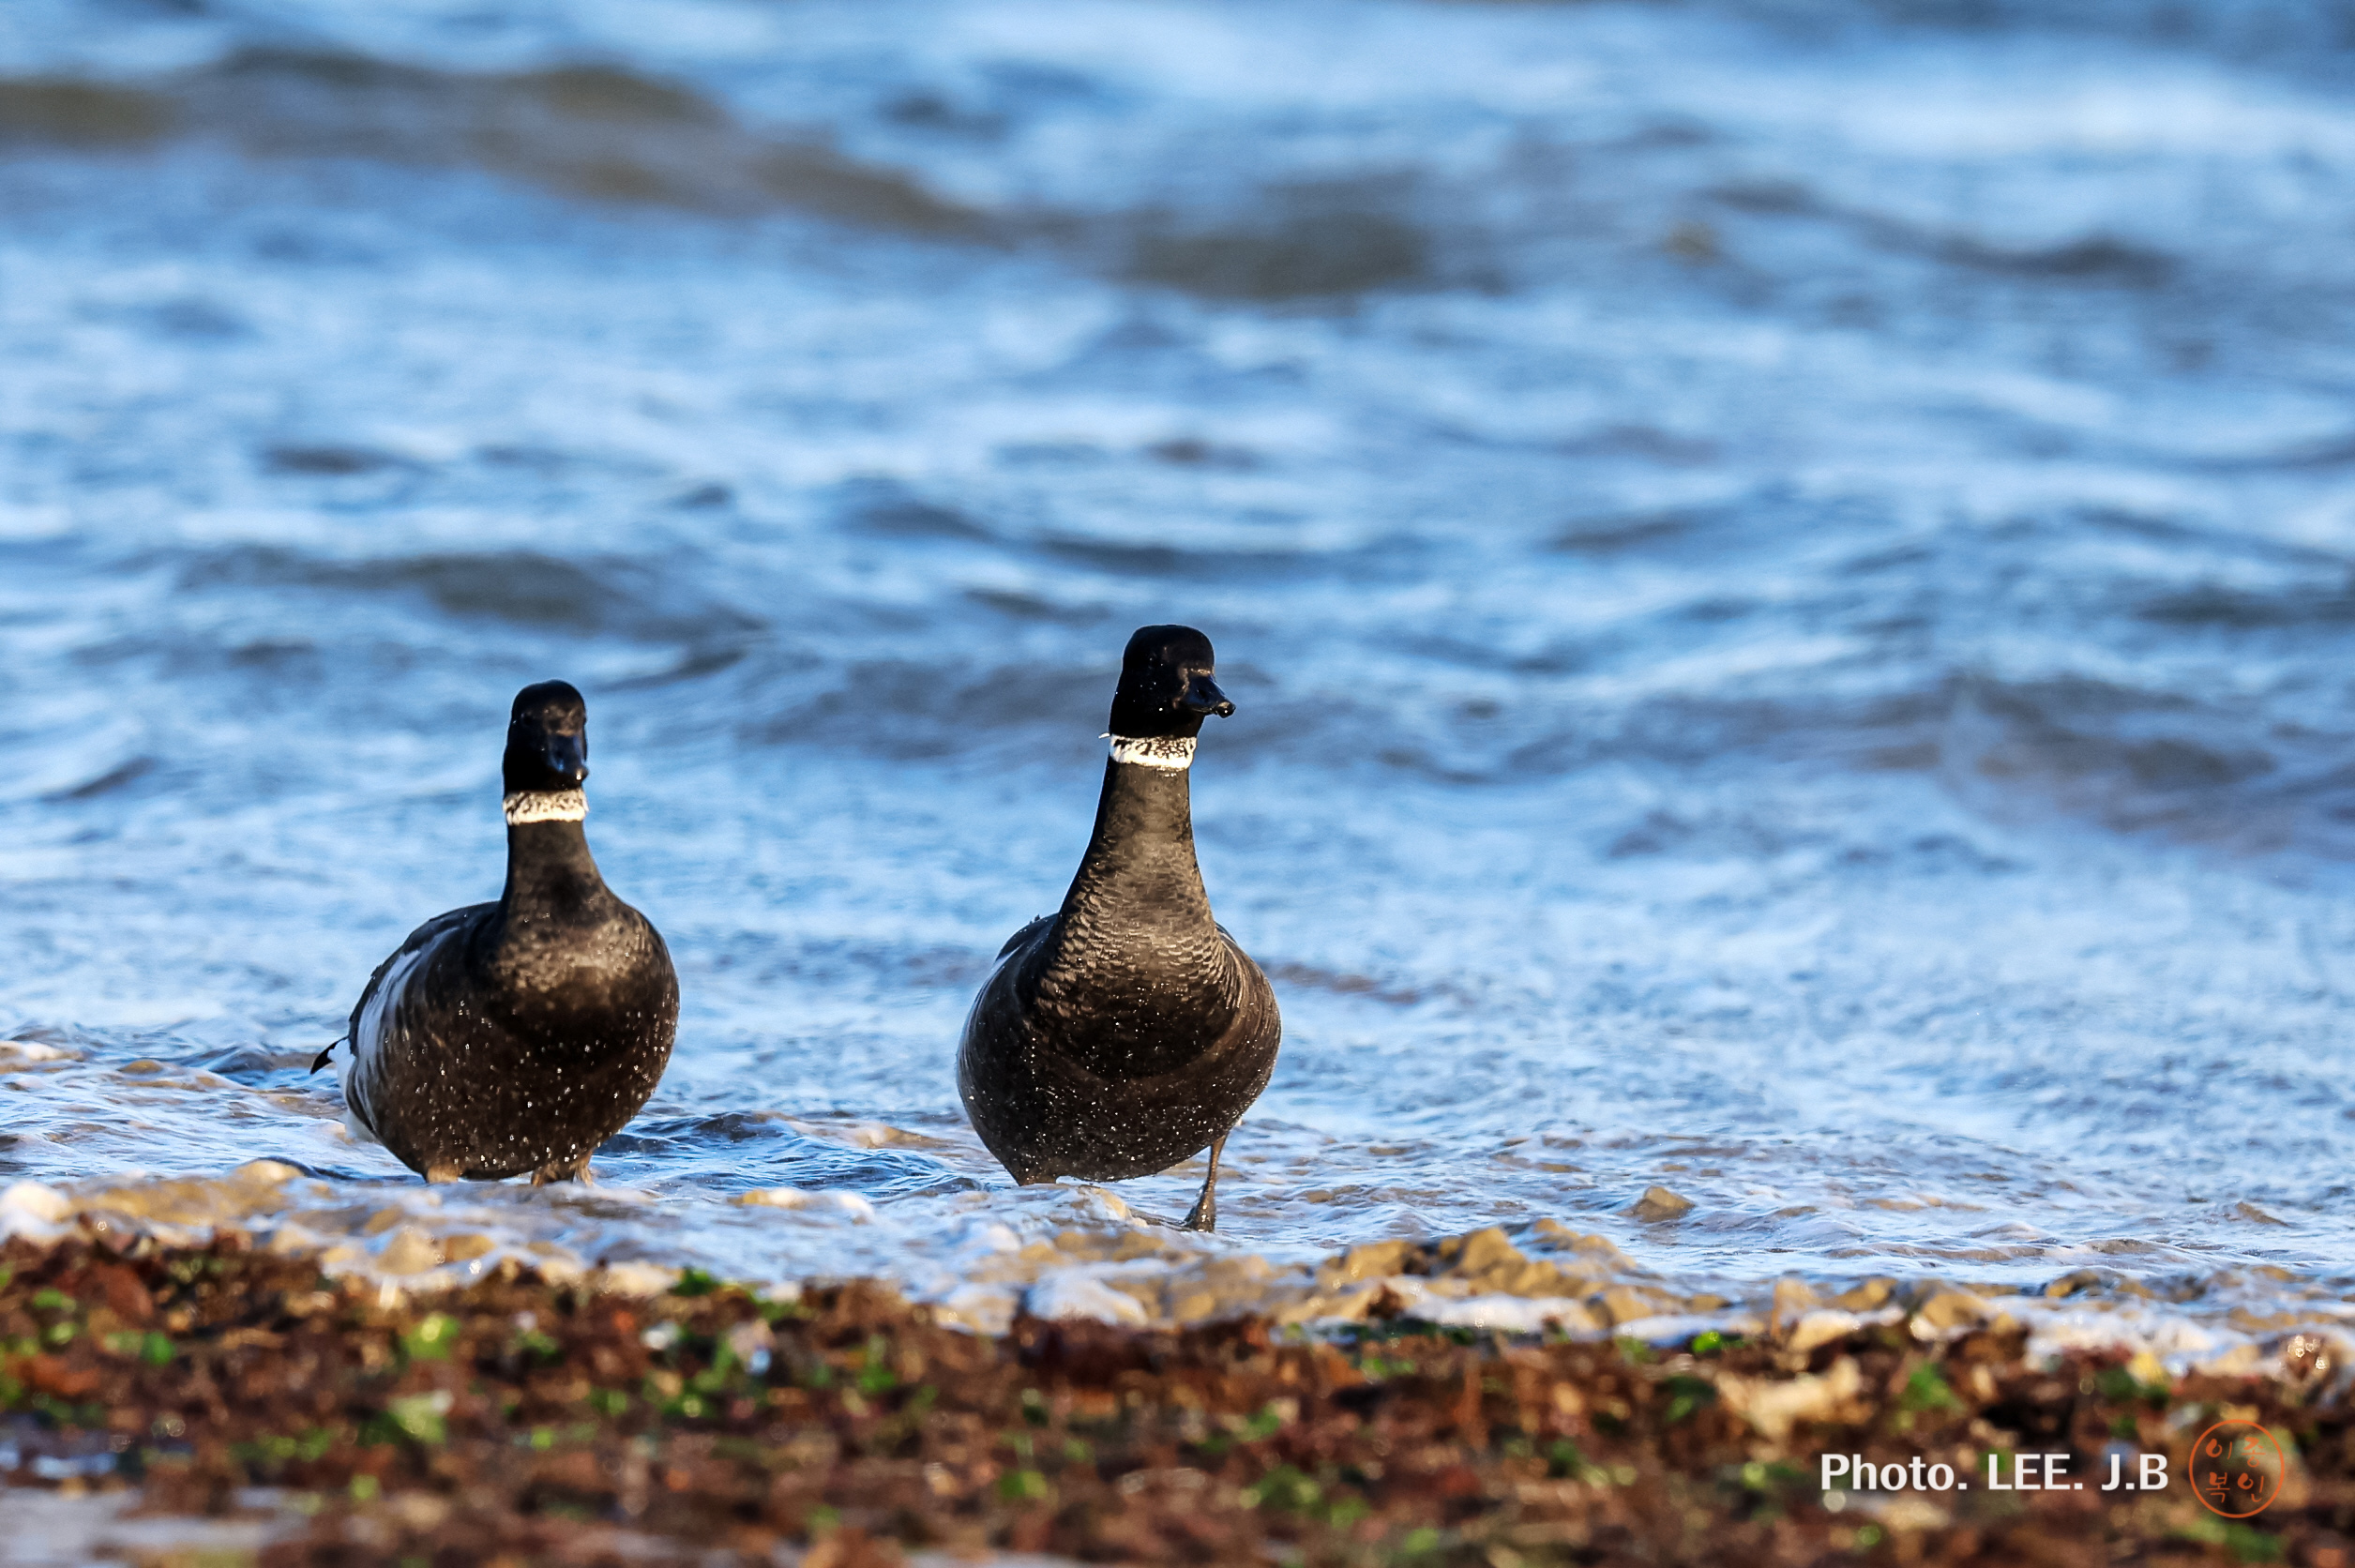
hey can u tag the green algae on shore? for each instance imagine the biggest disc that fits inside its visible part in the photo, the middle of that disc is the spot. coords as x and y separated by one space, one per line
517 1420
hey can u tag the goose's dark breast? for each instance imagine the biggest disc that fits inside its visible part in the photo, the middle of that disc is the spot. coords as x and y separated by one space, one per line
494 1051
1130 1074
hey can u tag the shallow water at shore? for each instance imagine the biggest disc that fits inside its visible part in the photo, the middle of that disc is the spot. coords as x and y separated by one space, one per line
1786 587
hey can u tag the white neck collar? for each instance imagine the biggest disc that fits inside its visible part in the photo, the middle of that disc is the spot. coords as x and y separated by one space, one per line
544 805
1173 752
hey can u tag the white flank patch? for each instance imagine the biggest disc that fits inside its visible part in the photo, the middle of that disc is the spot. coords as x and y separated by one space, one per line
544 805
1175 752
364 1053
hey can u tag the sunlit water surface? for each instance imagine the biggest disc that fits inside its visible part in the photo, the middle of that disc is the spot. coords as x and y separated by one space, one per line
1790 579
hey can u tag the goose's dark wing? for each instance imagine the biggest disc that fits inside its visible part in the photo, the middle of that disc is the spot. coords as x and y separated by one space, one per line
417 939
1023 936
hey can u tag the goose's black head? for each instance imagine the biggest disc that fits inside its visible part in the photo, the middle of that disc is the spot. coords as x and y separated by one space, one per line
547 740
1165 684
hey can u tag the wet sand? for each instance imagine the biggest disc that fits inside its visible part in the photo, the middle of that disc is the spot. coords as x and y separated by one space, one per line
517 1420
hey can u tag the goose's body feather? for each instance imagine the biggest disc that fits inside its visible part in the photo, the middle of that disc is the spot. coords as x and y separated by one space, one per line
1052 1095
482 1052
517 1036
1127 1031
360 1071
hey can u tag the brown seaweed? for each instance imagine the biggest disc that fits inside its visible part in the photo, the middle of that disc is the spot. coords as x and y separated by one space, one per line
516 1419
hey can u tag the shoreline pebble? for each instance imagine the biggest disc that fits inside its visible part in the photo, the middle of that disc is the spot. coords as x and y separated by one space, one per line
521 1418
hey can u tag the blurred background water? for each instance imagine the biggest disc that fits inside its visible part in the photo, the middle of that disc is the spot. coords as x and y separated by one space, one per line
1788 570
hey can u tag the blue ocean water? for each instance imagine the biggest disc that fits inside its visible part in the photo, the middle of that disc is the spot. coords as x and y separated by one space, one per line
1789 573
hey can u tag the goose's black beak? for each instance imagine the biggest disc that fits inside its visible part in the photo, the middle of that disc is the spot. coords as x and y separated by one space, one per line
1202 696
568 757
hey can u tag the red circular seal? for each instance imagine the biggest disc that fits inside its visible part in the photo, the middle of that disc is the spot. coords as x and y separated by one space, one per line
2236 1469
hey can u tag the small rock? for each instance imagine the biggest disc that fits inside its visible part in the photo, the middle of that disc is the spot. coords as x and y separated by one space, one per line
854 1204
1494 1266
1573 1317
982 1309
637 1279
1069 1293
1351 1306
1534 1278
557 1264
1871 1296
29 1050
1658 1204
1909 1513
747 1340
1554 1233
1625 1303
35 1201
1194 1306
1216 1286
1130 1245
1822 1328
2239 1361
1951 1309
1481 1251
1375 1260
1773 1406
410 1251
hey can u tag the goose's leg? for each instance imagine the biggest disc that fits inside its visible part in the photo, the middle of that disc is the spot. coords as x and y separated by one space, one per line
1203 1215
439 1174
564 1170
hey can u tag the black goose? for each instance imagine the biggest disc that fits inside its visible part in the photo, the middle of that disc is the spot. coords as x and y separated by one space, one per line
1127 1031
518 1035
